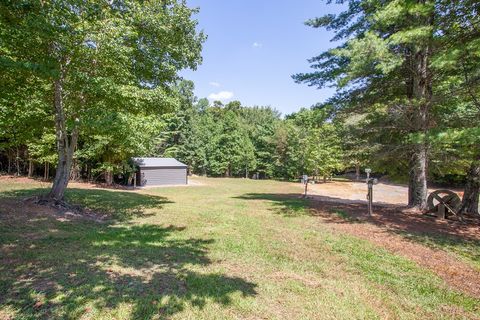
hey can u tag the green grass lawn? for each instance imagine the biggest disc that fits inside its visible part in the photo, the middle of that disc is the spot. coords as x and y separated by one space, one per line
225 250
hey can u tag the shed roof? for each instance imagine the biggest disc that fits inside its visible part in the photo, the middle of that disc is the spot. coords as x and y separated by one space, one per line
158 162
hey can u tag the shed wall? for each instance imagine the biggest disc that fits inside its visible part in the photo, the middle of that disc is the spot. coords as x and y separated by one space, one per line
163 176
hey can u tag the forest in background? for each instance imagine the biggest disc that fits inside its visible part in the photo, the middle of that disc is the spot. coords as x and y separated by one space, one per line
87 85
222 140
228 140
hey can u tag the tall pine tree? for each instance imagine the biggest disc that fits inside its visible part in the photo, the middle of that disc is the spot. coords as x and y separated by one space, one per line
383 65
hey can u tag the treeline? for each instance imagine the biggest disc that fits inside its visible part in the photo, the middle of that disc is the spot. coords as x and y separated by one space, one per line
87 85
228 140
222 140
233 140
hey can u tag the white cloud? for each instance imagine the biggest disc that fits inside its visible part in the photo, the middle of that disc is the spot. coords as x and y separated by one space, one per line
222 95
257 45
214 84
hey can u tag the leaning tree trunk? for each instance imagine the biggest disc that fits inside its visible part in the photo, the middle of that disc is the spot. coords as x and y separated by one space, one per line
65 145
472 188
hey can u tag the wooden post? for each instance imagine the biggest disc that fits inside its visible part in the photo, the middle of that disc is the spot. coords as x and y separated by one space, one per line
305 182
370 196
370 199
441 211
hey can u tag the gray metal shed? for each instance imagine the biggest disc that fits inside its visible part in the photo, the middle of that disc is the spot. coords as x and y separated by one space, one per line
160 171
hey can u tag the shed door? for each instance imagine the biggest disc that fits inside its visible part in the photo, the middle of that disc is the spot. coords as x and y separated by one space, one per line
163 176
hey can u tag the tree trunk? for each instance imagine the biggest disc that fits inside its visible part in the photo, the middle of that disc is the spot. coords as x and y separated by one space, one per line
227 173
9 170
75 171
417 186
17 162
420 95
46 172
89 173
65 146
108 177
30 168
357 171
472 188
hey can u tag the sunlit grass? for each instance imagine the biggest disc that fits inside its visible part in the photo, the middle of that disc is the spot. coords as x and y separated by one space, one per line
228 249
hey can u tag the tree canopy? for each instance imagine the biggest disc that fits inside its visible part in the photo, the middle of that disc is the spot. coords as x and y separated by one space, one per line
93 64
402 67
86 85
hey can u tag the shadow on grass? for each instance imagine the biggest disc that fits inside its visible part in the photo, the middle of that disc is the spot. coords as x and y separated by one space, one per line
66 270
120 205
292 205
289 205
457 237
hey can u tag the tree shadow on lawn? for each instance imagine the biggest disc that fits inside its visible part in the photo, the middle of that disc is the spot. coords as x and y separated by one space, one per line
288 205
460 237
119 205
293 205
71 269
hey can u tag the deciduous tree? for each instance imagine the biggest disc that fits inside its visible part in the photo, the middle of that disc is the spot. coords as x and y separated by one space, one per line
121 56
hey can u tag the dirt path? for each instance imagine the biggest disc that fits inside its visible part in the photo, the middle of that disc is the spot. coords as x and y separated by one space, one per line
355 192
385 227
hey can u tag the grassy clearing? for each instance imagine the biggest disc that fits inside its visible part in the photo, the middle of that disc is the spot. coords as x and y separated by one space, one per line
230 249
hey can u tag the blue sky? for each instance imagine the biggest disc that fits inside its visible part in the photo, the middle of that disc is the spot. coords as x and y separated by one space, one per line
254 47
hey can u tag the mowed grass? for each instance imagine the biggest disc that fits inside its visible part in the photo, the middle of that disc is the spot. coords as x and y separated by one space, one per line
227 249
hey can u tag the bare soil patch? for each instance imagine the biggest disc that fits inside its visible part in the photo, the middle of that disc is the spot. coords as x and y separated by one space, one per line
15 178
356 192
97 185
387 228
28 208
